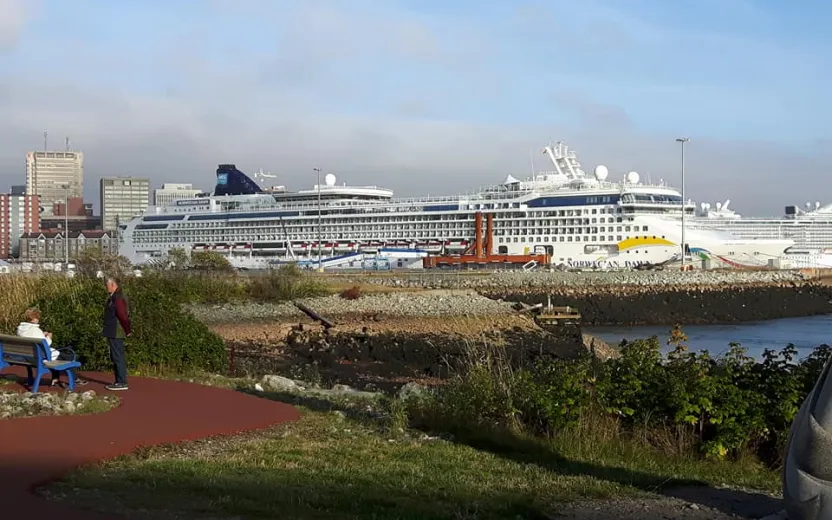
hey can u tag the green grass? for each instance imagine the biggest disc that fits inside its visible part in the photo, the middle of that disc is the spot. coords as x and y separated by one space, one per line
336 465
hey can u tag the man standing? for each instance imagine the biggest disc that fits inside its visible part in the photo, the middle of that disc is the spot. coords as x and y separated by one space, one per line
116 328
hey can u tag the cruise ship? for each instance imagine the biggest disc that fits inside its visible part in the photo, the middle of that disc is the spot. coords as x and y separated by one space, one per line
580 220
810 228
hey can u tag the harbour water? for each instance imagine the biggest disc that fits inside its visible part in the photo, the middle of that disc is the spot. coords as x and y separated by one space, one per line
804 333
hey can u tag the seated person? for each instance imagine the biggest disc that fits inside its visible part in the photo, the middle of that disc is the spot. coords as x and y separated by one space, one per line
30 328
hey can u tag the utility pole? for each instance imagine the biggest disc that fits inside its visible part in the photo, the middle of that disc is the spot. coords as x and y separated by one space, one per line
683 140
66 226
320 263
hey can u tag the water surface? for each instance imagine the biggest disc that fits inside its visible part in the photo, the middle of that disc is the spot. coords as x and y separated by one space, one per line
804 333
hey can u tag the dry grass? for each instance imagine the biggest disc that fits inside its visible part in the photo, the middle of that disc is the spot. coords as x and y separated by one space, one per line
21 291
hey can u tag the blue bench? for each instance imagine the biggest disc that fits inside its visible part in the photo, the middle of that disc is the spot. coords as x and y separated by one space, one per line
35 355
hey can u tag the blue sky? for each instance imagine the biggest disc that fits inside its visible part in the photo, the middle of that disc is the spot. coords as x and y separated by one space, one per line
400 92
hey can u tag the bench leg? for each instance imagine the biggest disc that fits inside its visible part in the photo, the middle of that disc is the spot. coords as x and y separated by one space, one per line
36 384
30 379
70 375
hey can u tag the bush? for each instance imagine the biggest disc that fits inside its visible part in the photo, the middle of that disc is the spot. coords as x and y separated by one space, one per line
163 334
286 283
728 406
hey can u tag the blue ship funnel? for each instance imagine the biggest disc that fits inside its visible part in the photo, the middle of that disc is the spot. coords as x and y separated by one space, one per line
231 181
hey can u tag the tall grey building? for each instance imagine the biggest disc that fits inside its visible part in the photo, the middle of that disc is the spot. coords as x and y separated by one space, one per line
54 176
122 198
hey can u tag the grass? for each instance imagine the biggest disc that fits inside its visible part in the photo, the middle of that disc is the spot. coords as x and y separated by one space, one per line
339 462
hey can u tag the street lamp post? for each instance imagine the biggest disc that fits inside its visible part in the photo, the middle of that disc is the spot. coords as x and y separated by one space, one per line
320 264
683 140
66 226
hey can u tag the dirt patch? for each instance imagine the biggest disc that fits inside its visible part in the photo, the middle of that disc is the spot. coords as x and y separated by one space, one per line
388 352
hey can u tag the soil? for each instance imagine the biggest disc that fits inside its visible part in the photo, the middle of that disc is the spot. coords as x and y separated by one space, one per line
688 503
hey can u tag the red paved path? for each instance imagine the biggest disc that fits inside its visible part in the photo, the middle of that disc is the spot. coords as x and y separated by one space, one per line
36 450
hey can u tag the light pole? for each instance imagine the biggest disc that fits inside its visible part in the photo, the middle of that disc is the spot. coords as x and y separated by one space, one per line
683 140
318 171
66 226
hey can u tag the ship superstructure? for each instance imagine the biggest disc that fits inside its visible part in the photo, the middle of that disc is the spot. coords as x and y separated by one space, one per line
577 219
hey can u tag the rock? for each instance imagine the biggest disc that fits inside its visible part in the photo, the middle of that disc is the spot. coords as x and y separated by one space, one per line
279 383
88 395
413 390
782 515
258 387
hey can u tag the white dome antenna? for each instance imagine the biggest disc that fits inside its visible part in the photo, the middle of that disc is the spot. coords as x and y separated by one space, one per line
632 177
330 179
601 172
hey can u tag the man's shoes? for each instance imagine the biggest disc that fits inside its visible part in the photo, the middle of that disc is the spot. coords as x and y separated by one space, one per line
115 387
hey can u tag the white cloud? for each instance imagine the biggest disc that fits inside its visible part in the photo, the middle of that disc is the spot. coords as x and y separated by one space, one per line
13 16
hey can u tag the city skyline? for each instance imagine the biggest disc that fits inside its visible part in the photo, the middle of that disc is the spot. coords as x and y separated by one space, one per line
428 99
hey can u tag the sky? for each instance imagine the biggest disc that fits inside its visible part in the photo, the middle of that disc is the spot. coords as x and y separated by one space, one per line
425 97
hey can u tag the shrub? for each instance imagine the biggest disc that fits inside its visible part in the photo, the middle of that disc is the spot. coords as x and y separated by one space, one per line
286 283
163 334
726 406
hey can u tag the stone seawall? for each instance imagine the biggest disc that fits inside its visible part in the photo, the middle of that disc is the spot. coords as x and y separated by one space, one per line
656 305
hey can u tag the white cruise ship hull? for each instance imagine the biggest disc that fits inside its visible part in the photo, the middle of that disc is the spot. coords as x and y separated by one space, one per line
578 220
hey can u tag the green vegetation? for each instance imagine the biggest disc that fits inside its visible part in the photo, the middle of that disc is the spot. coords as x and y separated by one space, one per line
164 335
686 404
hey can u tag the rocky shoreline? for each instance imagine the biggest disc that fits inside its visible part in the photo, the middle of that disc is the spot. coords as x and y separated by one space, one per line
639 298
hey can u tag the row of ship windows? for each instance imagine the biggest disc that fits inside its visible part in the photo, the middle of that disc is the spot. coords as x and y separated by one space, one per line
329 231
579 238
311 223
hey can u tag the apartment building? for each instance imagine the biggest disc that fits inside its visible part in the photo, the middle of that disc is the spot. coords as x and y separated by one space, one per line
19 214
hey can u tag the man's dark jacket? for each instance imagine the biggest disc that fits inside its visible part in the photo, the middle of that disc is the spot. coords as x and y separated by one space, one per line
116 316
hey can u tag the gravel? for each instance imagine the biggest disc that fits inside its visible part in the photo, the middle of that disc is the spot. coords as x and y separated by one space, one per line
400 305
553 279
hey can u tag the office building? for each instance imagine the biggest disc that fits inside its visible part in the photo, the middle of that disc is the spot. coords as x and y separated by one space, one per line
122 198
169 193
19 214
54 176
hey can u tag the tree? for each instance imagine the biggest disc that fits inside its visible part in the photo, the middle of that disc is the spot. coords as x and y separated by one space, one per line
92 260
210 261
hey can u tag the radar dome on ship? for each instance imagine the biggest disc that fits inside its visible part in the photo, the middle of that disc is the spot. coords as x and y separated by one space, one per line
330 179
601 172
632 177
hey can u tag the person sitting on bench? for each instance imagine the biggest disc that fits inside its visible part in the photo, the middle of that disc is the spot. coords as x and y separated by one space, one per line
30 328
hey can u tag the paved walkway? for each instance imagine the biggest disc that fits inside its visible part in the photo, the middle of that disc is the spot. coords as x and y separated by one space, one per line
34 451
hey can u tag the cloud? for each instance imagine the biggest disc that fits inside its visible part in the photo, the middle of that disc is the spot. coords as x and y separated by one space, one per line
413 100
13 16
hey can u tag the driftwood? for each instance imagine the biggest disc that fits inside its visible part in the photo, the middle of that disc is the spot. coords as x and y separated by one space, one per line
314 315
